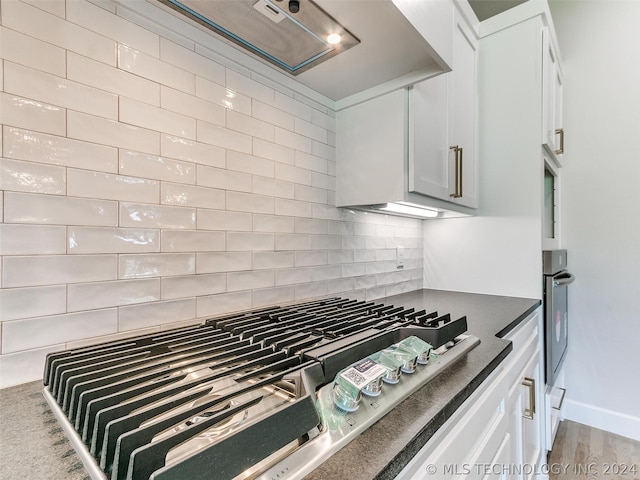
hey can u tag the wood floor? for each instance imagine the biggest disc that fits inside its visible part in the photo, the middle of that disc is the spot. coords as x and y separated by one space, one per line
585 453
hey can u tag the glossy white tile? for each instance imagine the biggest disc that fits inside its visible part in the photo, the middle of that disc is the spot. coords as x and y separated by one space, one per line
42 25
19 239
31 52
321 180
240 83
84 183
193 285
272 223
285 241
156 216
44 87
192 106
311 162
273 151
192 241
223 220
354 269
23 271
91 240
272 115
39 147
56 7
191 196
311 225
262 260
99 20
326 242
59 210
241 241
89 296
251 126
249 280
188 150
341 287
191 61
249 202
154 118
25 366
311 290
292 276
273 296
292 208
223 179
323 120
223 303
339 256
215 262
312 258
18 303
21 112
310 130
154 69
292 174
223 137
143 165
111 79
140 316
293 106
224 96
273 188
328 152
310 194
292 140
156 265
94 129
250 164
22 176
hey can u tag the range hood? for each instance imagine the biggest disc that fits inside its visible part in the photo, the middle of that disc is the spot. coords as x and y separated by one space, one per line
378 44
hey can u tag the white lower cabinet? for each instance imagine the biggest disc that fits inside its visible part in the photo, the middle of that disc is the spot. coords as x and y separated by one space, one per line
498 432
554 401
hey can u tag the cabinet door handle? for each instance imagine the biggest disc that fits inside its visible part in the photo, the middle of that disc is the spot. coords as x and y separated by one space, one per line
564 391
458 169
530 383
560 131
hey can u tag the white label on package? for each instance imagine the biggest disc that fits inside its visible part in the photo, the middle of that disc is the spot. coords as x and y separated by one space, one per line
363 373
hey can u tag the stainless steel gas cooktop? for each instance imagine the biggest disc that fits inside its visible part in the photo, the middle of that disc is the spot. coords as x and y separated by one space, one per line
268 393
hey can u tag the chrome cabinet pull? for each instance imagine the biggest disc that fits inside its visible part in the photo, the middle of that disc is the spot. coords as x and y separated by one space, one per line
560 131
458 181
564 391
530 383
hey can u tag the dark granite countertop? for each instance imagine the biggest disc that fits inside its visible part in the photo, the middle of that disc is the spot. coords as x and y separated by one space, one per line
32 445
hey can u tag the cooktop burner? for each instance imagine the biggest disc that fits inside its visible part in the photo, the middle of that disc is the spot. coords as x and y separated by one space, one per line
246 395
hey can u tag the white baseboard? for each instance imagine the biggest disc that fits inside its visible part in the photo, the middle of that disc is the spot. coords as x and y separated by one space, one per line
618 423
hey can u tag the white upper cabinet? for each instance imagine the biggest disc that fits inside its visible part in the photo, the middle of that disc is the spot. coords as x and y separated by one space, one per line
552 129
442 127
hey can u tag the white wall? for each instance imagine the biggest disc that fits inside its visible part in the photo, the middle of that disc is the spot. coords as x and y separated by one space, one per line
147 180
600 45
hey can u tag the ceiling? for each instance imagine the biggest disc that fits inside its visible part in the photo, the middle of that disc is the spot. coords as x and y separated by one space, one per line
488 8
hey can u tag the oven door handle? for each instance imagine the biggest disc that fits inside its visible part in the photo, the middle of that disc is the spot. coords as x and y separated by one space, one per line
563 279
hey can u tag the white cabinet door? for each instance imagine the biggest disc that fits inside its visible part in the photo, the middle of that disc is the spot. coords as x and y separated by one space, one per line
442 127
552 84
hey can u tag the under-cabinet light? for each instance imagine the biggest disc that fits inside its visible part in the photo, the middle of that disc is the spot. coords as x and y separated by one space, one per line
410 210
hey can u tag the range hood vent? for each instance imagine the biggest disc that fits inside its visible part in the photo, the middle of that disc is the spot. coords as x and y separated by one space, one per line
272 29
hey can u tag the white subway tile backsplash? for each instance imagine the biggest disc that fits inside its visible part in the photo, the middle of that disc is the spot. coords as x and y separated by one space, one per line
223 137
293 174
249 280
293 106
138 164
240 83
156 216
90 296
32 114
341 287
364 256
155 118
273 188
327 272
223 220
156 265
311 290
39 147
193 285
249 202
224 179
311 258
156 70
272 223
324 120
183 149
31 177
292 140
111 26
94 129
20 239
90 240
286 241
310 194
221 95
18 303
59 210
249 164
192 241
25 271
24 366
273 296
216 262
354 269
328 152
134 317
250 126
85 183
223 303
241 241
310 130
311 162
273 151
192 106
191 61
111 79
55 7
30 83
340 256
190 196
292 276
272 115
39 24
32 52
263 260
326 242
